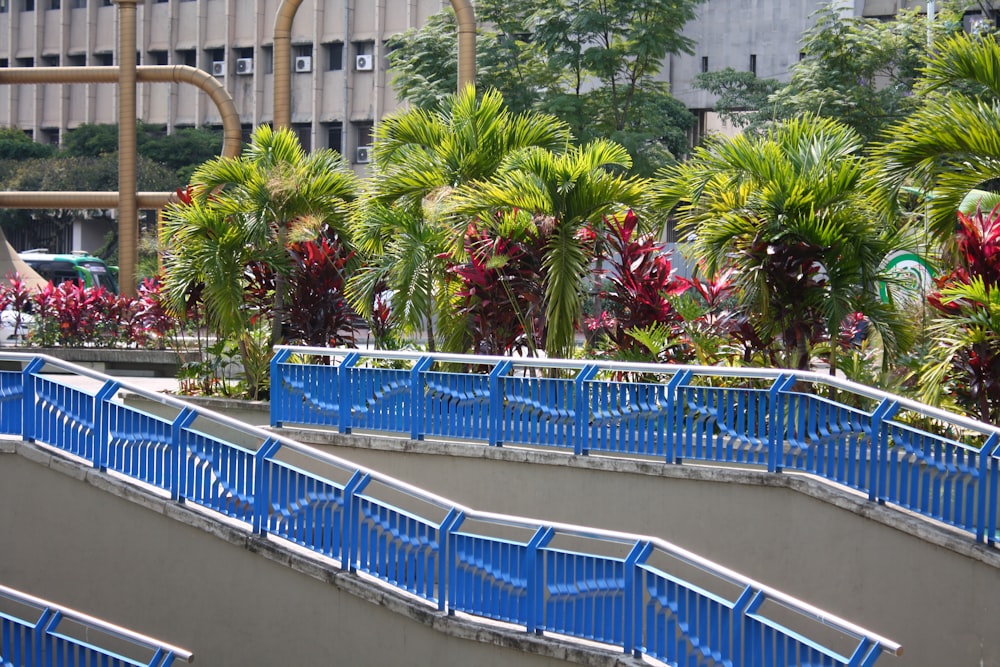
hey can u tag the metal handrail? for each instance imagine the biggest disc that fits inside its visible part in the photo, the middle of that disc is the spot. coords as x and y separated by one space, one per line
96 623
806 610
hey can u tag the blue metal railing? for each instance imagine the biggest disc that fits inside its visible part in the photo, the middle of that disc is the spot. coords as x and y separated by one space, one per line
892 449
622 590
48 639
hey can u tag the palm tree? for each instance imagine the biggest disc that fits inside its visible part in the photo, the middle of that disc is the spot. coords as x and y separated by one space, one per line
240 213
403 227
272 189
950 146
792 213
563 193
405 251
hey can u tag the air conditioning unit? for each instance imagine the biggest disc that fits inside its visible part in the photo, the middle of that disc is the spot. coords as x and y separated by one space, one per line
219 68
303 63
364 63
244 65
363 155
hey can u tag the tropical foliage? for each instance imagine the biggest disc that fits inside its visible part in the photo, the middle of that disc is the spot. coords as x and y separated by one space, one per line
794 213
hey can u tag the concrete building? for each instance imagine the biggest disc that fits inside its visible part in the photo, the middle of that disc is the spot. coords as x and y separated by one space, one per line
340 83
764 37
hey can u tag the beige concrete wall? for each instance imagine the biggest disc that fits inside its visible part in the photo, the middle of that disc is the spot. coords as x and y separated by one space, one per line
88 542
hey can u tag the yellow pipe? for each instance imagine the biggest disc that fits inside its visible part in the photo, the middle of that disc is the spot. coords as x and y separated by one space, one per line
71 199
232 133
464 13
128 212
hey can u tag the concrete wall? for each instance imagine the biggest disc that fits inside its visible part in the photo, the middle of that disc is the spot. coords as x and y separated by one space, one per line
88 541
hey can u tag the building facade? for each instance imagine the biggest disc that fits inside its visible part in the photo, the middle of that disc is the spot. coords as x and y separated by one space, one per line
340 82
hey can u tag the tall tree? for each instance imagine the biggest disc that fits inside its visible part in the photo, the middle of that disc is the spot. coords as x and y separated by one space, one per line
402 227
793 213
243 211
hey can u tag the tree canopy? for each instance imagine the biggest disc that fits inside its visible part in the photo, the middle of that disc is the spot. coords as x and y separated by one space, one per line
592 64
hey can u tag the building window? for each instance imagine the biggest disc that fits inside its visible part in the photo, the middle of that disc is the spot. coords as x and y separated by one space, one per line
753 64
50 135
187 57
28 6
335 136
363 141
304 132
55 4
104 59
50 61
76 60
25 62
334 56
3 6
266 58
704 64
79 4
158 57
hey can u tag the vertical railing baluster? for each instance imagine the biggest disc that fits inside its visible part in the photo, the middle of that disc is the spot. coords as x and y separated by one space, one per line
279 397
178 453
345 400
418 397
534 575
497 402
879 453
986 490
632 617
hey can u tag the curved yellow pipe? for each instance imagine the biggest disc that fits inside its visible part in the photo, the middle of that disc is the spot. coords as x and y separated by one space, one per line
464 13
231 131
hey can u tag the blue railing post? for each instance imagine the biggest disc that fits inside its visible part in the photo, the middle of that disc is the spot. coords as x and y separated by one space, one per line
879 454
345 400
28 412
632 616
581 420
279 397
102 427
46 623
865 654
261 488
745 647
351 530
446 557
178 453
674 412
986 491
776 428
534 575
418 397
497 402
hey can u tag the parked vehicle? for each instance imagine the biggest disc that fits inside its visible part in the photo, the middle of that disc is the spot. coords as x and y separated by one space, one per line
78 266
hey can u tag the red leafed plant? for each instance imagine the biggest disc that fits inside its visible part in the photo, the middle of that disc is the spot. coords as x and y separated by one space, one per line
316 311
501 289
967 333
638 285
